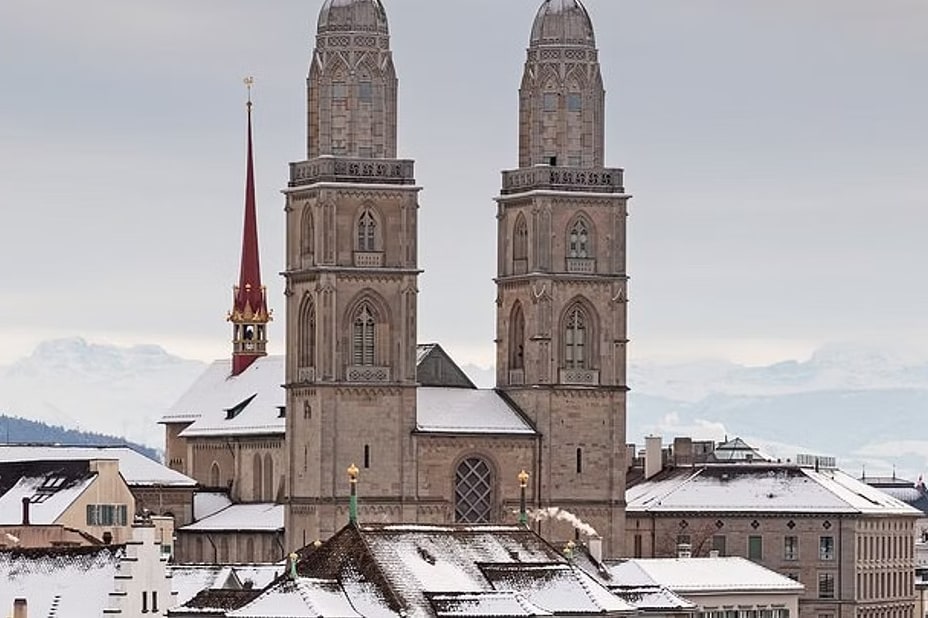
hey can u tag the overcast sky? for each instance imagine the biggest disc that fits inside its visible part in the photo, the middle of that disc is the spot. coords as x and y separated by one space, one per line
776 152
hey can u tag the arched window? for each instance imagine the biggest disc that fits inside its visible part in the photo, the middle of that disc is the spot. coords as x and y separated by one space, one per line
367 232
473 491
306 233
520 245
364 334
576 339
269 485
578 240
256 477
214 475
307 332
517 338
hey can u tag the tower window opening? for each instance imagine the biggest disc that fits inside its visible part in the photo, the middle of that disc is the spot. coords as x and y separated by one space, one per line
579 240
367 455
574 102
575 339
579 461
549 101
365 92
367 232
363 343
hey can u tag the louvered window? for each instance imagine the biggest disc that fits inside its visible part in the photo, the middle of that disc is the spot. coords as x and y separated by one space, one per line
367 232
363 342
473 491
575 340
579 240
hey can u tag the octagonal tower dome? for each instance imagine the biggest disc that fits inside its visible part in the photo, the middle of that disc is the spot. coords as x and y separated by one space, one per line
562 22
353 16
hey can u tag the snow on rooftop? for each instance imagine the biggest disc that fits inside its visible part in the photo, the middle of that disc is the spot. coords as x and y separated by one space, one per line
654 598
206 503
302 598
482 604
761 488
693 575
464 410
47 500
56 583
135 468
217 392
559 588
260 517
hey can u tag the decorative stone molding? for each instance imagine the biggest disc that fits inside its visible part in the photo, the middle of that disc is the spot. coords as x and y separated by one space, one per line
581 266
368 259
346 170
555 178
579 377
306 374
358 373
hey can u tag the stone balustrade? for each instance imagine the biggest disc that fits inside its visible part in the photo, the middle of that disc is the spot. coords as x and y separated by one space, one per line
347 170
554 178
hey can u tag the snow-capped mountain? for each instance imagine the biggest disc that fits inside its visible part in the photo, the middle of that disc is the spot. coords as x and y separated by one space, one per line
97 387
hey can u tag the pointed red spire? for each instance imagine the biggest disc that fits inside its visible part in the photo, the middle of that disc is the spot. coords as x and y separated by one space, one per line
249 309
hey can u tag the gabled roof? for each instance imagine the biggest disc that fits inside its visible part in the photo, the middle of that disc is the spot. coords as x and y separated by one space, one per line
259 517
137 469
695 575
434 367
301 598
460 410
220 404
484 604
216 602
760 488
49 497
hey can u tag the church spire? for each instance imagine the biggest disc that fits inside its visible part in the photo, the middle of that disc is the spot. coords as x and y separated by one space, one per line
249 315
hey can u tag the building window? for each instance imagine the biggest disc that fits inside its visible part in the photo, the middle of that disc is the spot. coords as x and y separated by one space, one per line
144 601
550 101
755 548
154 601
517 338
365 92
306 233
574 102
339 92
579 461
826 548
575 339
367 455
520 244
826 586
364 333
268 478
473 488
718 544
578 241
367 232
107 515
791 548
307 336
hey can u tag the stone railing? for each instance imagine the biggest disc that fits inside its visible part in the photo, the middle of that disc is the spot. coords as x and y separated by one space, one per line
365 171
579 377
582 266
516 377
306 374
368 259
365 373
551 178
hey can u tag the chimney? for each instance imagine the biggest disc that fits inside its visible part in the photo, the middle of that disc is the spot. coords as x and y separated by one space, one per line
595 545
714 553
684 550
26 512
629 456
19 609
653 456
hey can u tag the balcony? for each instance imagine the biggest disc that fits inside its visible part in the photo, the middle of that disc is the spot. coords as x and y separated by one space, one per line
581 266
516 377
553 178
368 259
579 377
350 170
367 374
306 374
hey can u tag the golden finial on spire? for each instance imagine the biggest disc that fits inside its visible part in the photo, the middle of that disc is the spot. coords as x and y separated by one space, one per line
249 82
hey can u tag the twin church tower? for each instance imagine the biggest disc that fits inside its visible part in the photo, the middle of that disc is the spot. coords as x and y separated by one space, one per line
430 451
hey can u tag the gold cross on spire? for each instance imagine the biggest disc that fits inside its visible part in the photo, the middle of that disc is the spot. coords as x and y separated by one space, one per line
249 82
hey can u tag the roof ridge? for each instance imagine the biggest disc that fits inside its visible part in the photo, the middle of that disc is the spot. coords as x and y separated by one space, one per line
660 498
386 581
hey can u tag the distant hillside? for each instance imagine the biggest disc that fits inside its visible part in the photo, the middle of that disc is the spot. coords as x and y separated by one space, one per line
21 431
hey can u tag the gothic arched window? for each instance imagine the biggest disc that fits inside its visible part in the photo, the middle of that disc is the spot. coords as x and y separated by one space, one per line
517 338
520 244
269 489
306 233
364 334
367 232
576 339
256 477
214 475
473 491
307 332
578 240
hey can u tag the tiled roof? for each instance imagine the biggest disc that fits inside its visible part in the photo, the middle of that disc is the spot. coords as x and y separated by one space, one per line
683 575
220 601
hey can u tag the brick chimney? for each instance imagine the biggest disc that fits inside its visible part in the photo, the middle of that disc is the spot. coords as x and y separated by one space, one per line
26 510
653 456
20 609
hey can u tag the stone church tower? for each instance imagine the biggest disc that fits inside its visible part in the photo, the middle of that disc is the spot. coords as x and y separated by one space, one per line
561 316
351 284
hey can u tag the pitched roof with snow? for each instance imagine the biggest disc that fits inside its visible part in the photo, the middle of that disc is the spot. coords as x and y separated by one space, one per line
49 497
220 404
259 517
75 582
461 410
303 598
137 469
759 488
424 570
694 575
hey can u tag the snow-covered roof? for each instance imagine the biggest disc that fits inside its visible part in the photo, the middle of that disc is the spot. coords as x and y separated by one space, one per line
694 575
302 598
137 469
206 503
761 488
482 604
220 404
72 582
655 599
258 517
464 410
48 499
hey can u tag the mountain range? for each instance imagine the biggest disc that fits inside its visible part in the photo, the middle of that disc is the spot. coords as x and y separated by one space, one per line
862 404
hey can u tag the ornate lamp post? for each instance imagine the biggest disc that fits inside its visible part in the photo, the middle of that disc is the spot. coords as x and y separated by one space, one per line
523 483
353 500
